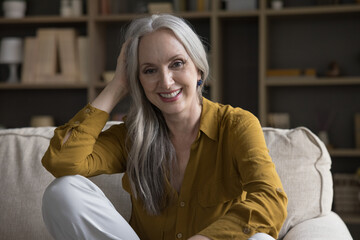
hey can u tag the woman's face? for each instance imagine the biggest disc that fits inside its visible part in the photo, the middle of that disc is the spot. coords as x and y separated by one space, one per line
167 73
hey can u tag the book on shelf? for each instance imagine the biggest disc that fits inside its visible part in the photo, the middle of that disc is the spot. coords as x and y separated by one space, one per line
291 74
191 5
46 59
52 56
84 57
28 73
160 7
67 45
104 7
179 5
113 7
203 5
308 72
283 72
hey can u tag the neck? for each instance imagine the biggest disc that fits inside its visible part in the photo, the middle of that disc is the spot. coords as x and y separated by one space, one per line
184 124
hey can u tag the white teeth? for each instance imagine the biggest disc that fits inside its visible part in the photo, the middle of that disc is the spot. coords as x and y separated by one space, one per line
170 95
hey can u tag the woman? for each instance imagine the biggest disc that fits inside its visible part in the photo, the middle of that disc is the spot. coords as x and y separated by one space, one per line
188 161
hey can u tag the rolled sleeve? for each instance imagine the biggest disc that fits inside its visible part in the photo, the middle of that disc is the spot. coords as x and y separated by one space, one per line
76 155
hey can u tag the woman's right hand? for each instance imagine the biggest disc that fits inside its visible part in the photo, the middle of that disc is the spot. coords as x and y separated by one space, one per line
117 88
120 72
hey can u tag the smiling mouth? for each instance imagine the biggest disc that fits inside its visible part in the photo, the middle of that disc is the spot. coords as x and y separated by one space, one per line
170 95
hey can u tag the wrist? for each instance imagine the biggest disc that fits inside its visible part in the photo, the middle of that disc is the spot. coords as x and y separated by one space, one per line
199 237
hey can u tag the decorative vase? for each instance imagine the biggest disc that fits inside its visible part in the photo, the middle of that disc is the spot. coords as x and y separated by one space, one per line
14 9
277 4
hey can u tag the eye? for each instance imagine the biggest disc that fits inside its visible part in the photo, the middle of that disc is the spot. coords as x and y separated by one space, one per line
178 64
149 71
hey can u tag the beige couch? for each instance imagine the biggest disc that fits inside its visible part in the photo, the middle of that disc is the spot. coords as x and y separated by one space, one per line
302 162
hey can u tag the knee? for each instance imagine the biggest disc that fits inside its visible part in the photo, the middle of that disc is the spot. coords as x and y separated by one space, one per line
261 236
60 193
58 188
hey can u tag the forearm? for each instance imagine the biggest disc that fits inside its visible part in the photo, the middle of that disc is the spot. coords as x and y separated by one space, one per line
73 142
110 96
199 237
117 89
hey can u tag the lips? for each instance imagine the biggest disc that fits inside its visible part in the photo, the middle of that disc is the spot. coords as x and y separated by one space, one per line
170 95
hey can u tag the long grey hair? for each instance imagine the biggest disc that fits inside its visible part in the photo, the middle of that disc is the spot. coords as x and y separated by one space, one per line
151 155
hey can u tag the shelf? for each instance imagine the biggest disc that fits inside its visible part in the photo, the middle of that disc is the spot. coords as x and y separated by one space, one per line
128 17
43 19
311 81
238 14
22 86
314 10
118 18
344 152
194 15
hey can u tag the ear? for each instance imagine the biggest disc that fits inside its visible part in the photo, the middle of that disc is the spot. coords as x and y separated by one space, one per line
200 75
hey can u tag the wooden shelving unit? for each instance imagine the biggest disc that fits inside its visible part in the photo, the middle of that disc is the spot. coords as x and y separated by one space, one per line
23 86
313 10
306 81
229 34
341 152
43 19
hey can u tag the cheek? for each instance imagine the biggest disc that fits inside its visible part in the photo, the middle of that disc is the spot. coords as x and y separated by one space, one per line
147 86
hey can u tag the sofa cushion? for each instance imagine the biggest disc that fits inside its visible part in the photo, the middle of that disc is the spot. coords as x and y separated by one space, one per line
303 164
23 181
329 227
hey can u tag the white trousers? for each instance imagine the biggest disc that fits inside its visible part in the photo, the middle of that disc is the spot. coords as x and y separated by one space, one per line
74 208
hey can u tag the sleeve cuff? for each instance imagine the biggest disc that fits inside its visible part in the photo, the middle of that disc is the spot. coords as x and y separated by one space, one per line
90 120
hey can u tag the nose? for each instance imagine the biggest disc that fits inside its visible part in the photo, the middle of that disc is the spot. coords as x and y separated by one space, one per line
166 79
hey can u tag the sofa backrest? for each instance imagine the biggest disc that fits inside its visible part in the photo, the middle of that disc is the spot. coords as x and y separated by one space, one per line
23 181
299 156
303 164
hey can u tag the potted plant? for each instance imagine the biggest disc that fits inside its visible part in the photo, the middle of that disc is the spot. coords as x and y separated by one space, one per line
14 8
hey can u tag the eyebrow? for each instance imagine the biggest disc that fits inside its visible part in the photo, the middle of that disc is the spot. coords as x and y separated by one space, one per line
169 60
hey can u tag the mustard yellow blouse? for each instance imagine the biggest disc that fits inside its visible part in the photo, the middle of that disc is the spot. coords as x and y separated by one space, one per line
230 188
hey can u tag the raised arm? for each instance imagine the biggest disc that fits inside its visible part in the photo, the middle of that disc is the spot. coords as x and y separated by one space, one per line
76 147
116 90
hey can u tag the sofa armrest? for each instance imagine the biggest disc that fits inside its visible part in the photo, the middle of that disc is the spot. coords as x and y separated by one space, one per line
329 227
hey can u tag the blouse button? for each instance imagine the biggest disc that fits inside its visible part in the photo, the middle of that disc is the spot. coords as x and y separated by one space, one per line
182 204
179 235
87 110
246 230
279 189
76 122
